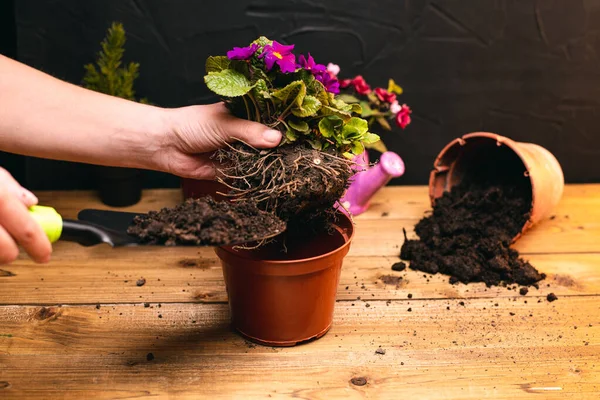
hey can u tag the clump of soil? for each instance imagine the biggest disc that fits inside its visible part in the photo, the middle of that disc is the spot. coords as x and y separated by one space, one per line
294 182
205 222
399 266
469 233
551 297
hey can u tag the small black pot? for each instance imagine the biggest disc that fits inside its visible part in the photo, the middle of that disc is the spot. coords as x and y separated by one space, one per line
119 187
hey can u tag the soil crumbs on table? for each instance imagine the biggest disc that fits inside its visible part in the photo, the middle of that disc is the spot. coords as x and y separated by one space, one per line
468 235
205 222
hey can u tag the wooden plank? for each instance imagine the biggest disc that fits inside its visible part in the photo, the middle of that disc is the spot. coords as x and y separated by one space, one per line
574 230
512 351
180 275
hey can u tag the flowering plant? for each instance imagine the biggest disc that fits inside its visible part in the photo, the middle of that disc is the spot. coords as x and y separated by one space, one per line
265 82
378 105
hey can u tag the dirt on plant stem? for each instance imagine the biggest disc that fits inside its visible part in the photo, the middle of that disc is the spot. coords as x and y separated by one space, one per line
205 222
293 181
469 233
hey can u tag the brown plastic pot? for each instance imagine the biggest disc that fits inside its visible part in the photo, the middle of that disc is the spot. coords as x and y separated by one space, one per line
195 189
283 299
513 160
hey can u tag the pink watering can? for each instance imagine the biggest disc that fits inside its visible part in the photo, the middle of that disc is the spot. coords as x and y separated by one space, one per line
367 181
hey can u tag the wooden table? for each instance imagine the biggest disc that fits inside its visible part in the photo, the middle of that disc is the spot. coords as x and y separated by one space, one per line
81 328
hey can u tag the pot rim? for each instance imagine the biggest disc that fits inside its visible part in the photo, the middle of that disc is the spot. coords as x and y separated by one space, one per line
347 241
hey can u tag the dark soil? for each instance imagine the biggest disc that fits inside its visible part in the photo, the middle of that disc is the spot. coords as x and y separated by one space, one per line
205 222
399 266
551 297
294 182
523 291
469 233
140 282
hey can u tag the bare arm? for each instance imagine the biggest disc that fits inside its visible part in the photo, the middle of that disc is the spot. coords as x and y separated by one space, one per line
45 117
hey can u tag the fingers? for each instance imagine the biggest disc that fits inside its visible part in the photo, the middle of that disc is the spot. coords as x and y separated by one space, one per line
17 190
252 133
231 128
8 248
22 228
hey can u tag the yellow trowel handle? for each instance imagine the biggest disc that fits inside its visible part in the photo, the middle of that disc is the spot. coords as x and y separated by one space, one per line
49 219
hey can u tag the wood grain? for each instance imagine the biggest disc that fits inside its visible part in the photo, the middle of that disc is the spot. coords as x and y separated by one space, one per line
573 230
471 351
78 327
90 276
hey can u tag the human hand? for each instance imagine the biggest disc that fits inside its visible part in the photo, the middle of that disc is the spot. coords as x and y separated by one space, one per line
195 132
17 226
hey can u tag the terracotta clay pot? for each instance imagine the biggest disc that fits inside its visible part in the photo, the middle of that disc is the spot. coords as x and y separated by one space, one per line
195 189
282 299
512 160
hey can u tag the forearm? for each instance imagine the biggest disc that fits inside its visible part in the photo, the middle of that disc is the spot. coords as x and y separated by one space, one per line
44 117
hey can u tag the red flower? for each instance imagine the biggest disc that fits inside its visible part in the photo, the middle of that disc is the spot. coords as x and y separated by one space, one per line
385 96
360 85
403 116
344 83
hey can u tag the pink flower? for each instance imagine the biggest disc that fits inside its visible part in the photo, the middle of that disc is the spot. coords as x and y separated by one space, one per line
385 96
395 107
403 116
360 85
333 69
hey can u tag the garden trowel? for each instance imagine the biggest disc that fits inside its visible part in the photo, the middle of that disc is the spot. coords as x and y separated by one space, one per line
94 227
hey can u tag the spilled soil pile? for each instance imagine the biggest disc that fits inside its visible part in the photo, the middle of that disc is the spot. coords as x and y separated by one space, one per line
468 236
205 222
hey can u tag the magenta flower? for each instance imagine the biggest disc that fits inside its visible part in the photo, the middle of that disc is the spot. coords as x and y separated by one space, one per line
320 73
280 54
242 53
309 64
331 84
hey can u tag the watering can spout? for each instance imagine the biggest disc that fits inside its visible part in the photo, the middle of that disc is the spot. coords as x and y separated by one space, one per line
366 183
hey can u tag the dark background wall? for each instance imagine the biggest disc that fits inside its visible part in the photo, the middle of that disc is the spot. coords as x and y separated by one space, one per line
527 69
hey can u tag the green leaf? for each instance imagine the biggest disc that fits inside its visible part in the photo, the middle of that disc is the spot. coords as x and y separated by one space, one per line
258 92
347 98
216 63
316 144
357 147
299 126
319 91
228 83
359 124
263 41
370 138
348 155
341 105
367 111
290 135
329 125
377 146
310 106
292 94
356 108
327 110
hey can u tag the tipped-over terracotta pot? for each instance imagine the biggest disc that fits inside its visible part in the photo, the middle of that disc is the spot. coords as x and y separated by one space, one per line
504 159
282 299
